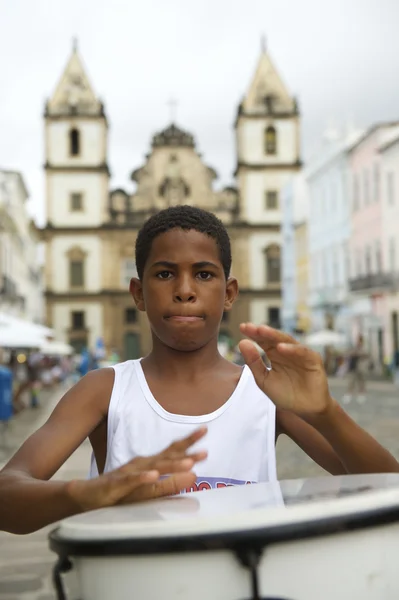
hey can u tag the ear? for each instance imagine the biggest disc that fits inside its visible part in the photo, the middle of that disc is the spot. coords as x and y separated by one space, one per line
136 291
231 293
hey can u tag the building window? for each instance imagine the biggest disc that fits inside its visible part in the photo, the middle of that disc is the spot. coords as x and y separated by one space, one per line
271 200
76 201
74 142
77 319
391 187
376 182
368 260
378 257
366 187
356 199
392 255
273 264
270 140
131 315
273 317
76 273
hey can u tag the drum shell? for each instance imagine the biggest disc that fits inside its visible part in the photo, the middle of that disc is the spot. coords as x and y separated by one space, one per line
361 563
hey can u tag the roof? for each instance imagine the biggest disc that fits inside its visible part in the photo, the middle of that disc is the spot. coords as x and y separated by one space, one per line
370 131
390 143
20 178
173 136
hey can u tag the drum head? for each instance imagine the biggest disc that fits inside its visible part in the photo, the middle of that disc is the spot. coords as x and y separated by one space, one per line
264 513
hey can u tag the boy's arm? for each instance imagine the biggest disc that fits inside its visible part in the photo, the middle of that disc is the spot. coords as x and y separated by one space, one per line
28 501
358 451
297 383
310 441
336 443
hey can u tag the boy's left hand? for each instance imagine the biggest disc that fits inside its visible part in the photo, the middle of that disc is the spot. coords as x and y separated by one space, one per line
297 380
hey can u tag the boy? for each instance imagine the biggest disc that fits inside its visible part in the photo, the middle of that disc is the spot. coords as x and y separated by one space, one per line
181 391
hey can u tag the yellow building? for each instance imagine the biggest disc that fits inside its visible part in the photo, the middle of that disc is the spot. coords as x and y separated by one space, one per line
302 276
91 229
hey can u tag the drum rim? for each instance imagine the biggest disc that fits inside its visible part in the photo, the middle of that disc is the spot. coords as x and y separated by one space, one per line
259 537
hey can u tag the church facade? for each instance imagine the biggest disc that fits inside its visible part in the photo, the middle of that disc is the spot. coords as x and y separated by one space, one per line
91 229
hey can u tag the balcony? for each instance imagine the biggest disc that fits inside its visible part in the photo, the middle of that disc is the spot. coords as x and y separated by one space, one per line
374 282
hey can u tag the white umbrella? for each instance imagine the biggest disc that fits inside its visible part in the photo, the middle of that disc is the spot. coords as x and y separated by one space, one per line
17 338
28 326
325 337
55 348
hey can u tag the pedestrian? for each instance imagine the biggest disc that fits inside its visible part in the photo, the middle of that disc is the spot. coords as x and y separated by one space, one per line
356 372
183 417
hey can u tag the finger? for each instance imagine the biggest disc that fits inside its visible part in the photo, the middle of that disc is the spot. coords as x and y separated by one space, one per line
254 361
302 353
181 446
116 485
169 465
170 486
264 333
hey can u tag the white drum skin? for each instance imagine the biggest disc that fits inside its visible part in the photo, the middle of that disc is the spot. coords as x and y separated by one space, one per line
324 562
349 566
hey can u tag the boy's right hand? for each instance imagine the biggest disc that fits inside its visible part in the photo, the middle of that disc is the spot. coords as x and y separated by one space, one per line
140 479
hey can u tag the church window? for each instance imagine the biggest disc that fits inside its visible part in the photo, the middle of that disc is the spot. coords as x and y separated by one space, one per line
270 140
273 317
76 258
131 315
273 264
76 273
77 319
271 200
74 142
76 201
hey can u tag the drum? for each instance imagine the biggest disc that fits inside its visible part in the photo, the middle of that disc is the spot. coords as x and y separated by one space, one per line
311 539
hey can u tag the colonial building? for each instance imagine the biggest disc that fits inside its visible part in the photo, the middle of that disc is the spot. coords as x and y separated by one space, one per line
374 229
21 290
90 232
329 231
295 209
389 178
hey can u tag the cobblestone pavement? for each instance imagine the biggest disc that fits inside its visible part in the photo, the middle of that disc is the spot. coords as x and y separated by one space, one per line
26 561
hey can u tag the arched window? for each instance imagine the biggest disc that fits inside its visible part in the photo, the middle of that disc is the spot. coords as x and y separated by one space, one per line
270 140
273 264
74 142
76 258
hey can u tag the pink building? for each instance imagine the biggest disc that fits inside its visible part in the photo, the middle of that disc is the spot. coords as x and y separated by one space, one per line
390 224
370 278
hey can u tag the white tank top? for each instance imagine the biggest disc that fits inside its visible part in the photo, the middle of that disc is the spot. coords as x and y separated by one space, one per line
241 433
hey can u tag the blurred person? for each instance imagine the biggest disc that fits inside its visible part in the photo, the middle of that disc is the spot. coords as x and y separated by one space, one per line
356 372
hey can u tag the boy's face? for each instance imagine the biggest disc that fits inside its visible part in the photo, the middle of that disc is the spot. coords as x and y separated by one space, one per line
184 291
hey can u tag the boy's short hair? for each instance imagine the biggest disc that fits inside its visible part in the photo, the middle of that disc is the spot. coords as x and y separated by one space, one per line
186 218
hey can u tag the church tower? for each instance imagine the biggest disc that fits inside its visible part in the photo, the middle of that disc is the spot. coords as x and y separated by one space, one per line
77 183
268 154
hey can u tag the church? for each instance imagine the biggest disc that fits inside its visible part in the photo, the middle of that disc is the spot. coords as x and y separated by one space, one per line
90 229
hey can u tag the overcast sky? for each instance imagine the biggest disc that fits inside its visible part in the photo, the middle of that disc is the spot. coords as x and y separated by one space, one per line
340 58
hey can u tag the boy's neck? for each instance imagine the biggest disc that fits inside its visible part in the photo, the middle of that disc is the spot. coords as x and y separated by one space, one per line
172 364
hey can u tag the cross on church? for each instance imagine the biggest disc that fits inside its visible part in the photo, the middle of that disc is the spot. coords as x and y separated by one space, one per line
172 103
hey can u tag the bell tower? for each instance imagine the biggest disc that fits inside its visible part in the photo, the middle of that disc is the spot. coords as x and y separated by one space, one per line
77 187
268 143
